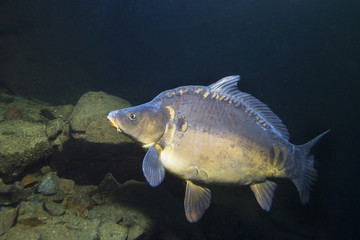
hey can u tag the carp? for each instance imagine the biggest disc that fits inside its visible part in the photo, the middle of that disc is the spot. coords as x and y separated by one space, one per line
216 134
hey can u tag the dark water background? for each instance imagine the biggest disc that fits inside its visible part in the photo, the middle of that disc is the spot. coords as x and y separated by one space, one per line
300 57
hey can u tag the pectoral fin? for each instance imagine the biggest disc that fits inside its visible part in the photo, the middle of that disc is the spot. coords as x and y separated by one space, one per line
197 200
153 168
264 193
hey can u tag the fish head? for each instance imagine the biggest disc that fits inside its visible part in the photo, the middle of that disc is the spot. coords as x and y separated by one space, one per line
144 123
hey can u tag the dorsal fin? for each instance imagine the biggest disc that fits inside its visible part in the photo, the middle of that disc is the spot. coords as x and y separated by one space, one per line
228 86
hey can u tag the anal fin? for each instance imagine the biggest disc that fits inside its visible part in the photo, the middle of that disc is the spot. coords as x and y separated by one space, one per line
153 168
197 200
264 193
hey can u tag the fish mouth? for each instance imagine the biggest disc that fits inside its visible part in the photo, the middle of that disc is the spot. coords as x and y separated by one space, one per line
114 123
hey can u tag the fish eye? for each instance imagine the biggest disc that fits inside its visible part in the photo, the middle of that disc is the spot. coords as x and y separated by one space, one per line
132 116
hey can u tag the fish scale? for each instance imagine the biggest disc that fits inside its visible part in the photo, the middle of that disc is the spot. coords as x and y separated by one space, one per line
216 134
212 110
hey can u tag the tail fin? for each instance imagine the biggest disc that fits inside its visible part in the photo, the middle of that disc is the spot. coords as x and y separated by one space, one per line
306 180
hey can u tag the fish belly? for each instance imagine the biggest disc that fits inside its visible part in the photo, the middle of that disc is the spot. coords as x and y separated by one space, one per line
216 158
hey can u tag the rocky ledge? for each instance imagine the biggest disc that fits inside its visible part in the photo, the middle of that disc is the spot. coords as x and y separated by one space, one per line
78 140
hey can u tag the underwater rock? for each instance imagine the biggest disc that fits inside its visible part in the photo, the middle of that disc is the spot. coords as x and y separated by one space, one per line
7 219
57 127
38 197
55 209
32 214
11 194
113 231
135 232
21 144
58 197
122 215
88 120
99 198
49 184
66 185
85 189
57 131
26 135
13 113
29 180
117 216
107 213
109 183
21 232
79 203
65 227
31 110
44 170
95 148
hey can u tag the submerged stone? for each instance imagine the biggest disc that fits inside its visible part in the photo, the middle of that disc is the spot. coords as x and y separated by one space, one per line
32 214
65 227
49 184
7 219
44 170
29 180
107 213
11 194
88 120
55 209
79 203
26 135
113 231
21 143
109 183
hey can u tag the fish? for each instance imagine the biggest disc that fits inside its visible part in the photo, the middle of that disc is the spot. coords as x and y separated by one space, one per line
218 135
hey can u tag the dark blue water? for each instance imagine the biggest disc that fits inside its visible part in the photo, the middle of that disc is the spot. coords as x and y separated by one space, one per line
300 57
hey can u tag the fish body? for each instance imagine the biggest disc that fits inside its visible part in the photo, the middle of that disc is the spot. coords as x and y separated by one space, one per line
216 135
